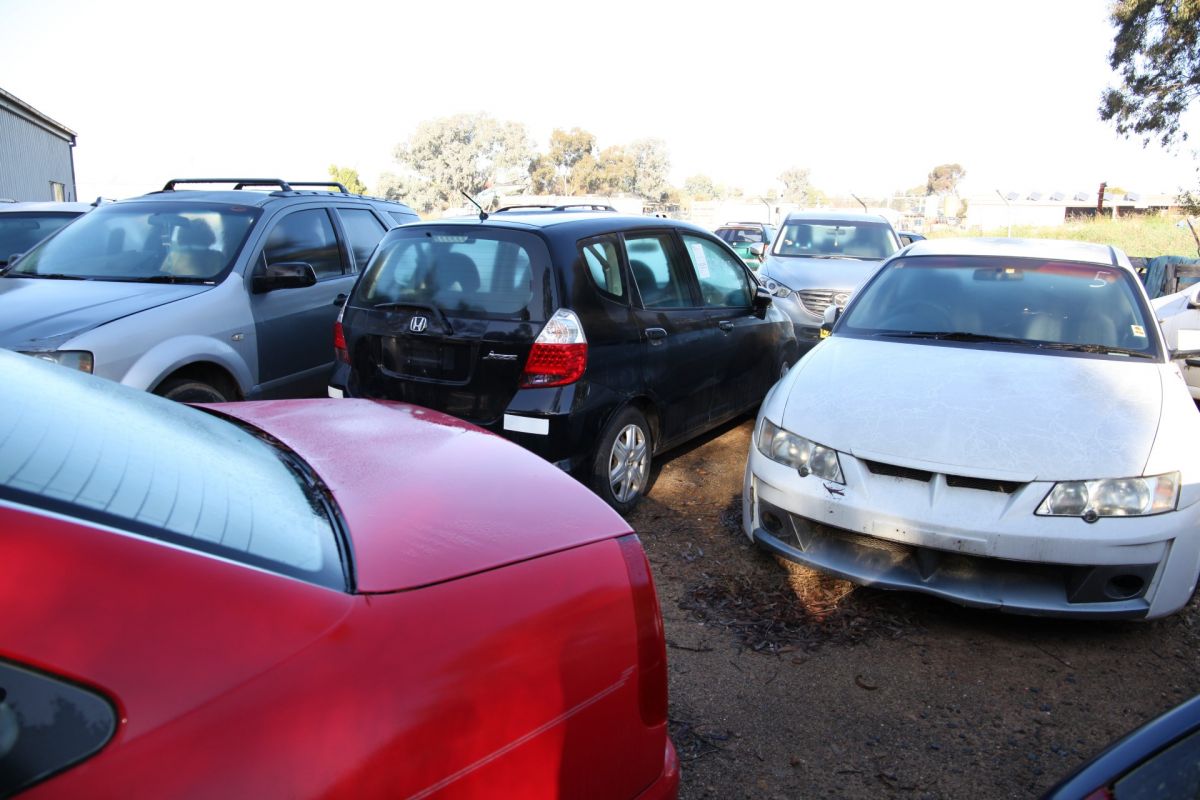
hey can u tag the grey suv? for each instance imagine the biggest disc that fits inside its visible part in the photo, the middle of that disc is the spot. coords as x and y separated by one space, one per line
819 258
198 295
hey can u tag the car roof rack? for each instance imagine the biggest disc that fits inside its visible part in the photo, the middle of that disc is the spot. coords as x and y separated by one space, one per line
567 207
238 182
332 184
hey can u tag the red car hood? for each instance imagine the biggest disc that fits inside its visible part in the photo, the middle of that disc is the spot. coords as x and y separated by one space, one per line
427 497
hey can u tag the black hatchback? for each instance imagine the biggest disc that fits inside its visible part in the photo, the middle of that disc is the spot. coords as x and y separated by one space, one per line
593 339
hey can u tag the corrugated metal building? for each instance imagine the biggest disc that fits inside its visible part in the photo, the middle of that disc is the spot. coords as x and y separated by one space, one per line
36 157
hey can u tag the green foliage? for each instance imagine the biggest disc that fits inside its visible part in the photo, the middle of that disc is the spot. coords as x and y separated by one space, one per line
1156 51
1146 236
700 187
651 168
349 178
462 153
944 179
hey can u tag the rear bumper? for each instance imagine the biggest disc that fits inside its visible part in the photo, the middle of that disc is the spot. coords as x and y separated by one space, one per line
667 785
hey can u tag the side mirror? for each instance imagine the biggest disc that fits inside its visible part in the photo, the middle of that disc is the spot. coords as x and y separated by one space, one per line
284 275
758 250
1189 357
762 301
829 319
908 238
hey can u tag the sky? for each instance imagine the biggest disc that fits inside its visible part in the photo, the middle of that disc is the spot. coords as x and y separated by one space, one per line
868 95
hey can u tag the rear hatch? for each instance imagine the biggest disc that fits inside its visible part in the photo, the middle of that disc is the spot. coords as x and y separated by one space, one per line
445 317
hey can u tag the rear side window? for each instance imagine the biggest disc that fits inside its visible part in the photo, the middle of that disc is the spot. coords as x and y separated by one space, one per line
364 230
723 281
485 273
603 259
660 278
98 451
305 236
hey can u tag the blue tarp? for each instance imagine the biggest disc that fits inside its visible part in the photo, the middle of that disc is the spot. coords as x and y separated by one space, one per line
1159 269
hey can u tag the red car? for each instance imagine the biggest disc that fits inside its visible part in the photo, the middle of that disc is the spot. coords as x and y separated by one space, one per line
310 599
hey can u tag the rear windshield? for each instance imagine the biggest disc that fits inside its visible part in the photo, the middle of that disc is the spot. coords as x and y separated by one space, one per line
167 242
21 230
813 238
741 235
484 272
95 450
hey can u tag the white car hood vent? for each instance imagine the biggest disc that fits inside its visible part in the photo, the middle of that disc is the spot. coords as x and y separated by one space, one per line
960 481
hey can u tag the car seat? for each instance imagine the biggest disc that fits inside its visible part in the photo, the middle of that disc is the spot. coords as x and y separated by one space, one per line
456 278
192 254
647 284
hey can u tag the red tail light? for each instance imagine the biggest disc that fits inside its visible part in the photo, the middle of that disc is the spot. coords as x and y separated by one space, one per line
559 354
339 343
651 644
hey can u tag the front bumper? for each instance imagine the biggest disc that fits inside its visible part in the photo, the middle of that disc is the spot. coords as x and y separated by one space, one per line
973 546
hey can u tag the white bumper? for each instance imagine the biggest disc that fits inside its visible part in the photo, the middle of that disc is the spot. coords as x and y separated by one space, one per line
973 546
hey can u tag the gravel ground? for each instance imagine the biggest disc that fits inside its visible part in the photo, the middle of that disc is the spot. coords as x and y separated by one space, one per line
785 683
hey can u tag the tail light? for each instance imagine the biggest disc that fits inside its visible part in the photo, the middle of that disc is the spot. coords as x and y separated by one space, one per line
651 644
339 343
559 354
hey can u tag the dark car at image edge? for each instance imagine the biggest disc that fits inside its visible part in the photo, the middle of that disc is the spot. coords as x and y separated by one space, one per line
594 339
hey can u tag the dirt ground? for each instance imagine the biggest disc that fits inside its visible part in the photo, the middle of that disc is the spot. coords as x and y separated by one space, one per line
785 684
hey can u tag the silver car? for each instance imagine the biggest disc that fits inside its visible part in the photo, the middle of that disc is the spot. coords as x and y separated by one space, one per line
819 258
198 295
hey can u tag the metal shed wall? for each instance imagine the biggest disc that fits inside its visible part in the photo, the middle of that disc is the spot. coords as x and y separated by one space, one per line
30 158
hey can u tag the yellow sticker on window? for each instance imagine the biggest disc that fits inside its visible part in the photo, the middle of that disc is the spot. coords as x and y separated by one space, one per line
1138 331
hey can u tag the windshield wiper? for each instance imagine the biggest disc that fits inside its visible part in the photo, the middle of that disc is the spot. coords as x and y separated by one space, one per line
967 336
823 255
58 276
168 279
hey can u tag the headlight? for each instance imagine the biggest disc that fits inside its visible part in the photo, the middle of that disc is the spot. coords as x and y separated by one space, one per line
72 359
807 458
1112 497
776 288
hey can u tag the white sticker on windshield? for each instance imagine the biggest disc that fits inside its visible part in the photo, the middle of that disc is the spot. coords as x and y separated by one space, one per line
1138 331
700 259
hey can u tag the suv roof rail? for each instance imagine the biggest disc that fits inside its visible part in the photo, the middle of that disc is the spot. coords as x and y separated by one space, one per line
239 182
341 188
567 207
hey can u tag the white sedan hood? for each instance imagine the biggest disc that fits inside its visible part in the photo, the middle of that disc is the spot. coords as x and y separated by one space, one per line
980 413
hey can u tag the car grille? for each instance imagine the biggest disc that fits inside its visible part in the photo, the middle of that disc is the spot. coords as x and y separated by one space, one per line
959 481
815 301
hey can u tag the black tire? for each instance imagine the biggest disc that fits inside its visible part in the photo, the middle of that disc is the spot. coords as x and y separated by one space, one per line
192 390
621 470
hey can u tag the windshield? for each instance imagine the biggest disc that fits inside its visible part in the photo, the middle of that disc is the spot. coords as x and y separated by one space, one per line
488 272
21 230
145 241
741 235
1009 301
812 238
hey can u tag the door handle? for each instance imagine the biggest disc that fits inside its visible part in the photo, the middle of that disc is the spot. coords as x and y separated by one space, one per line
340 300
655 335
725 325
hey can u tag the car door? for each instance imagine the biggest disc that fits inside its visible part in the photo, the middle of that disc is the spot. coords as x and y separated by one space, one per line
743 349
677 340
294 325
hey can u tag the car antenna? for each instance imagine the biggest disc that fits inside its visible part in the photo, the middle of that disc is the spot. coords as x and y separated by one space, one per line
482 214
860 202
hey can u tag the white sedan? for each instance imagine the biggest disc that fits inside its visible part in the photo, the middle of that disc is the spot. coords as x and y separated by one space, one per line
996 422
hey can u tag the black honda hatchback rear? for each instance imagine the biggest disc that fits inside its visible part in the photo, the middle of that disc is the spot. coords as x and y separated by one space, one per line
595 340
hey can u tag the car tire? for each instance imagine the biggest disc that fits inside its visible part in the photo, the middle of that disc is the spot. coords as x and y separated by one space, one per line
621 471
191 390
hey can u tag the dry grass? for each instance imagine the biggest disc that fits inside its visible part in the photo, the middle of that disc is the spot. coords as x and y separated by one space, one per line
1145 236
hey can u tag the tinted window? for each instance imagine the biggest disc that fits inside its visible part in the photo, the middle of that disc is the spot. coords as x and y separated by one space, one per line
138 241
871 240
96 450
741 235
46 725
305 236
489 272
660 278
603 260
401 217
21 231
1054 302
1174 772
722 279
364 231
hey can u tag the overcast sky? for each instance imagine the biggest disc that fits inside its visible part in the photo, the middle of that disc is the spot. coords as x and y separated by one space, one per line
869 95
